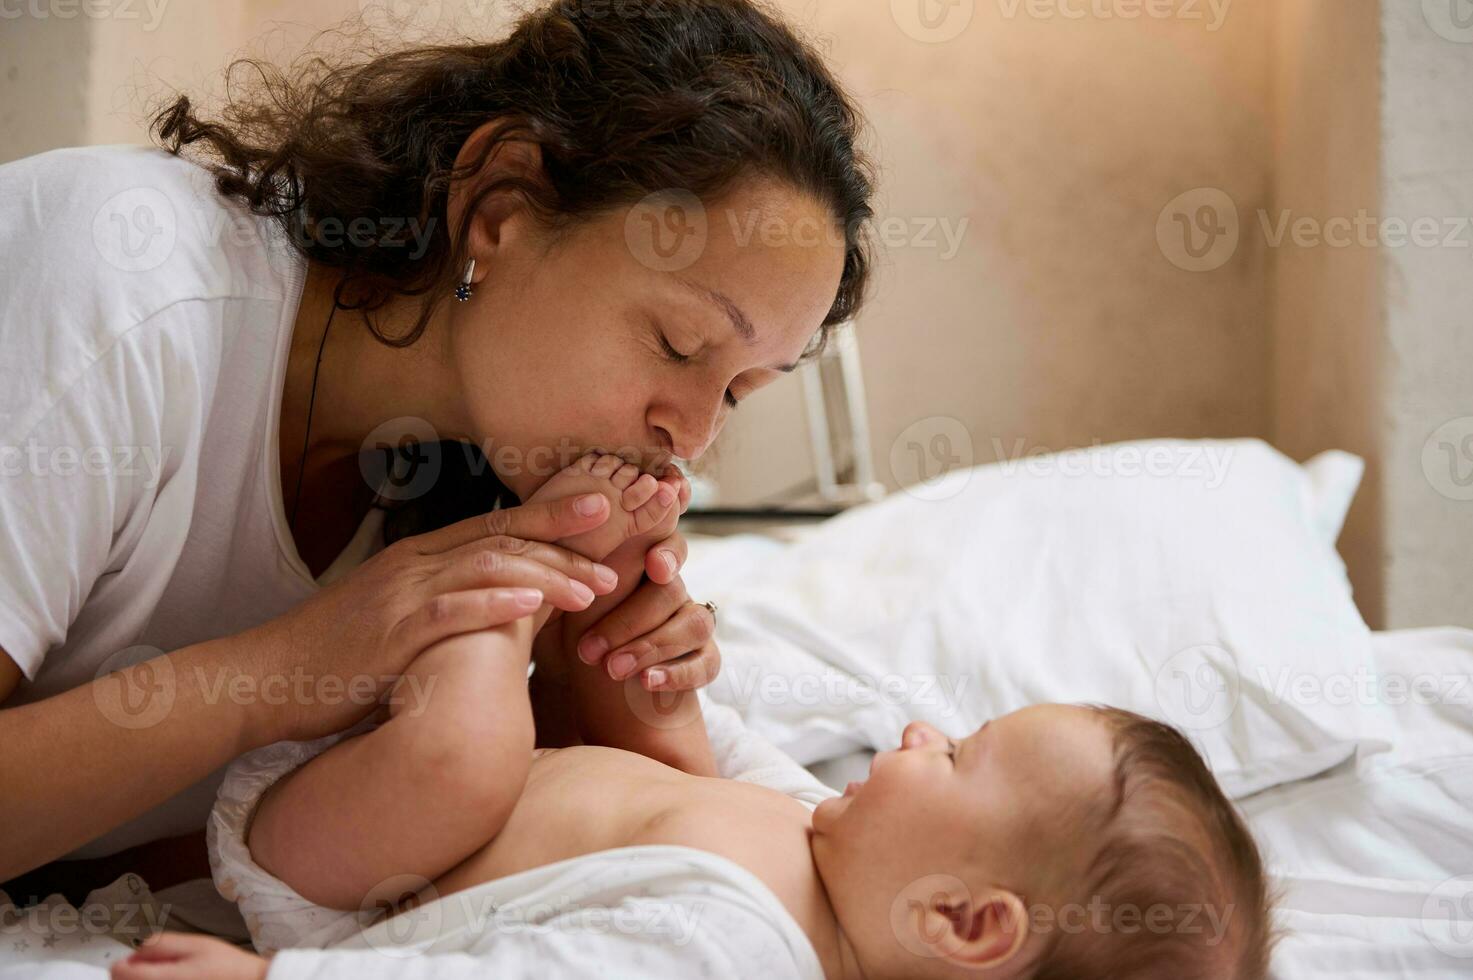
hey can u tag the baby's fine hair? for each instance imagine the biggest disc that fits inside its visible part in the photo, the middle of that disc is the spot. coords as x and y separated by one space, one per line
1176 888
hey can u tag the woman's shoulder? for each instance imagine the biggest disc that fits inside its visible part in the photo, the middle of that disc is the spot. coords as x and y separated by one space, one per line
140 221
126 207
96 241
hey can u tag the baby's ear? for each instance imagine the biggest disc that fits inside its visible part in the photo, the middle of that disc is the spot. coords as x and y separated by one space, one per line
986 930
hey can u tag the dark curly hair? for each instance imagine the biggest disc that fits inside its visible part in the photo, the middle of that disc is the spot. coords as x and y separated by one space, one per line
674 94
694 95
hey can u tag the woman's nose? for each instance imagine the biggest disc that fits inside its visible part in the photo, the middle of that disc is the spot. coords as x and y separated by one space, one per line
691 432
684 446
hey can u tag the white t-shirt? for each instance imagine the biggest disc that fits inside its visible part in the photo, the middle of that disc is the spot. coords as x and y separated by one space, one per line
145 322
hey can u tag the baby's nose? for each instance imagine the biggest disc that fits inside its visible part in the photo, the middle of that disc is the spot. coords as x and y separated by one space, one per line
918 733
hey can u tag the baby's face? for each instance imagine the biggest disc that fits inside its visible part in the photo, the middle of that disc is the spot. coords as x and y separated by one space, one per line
997 809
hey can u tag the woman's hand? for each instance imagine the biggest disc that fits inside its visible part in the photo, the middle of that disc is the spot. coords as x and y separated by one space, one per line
658 632
669 636
334 655
184 956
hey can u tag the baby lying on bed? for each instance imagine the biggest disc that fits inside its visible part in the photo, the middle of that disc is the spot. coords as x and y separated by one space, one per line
1053 842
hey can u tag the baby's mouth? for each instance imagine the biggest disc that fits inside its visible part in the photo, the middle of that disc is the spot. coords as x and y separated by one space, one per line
853 787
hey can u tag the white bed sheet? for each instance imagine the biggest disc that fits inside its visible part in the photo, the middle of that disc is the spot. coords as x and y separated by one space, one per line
1373 860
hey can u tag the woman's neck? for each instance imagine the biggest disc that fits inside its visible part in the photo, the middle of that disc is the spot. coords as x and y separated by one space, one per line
361 382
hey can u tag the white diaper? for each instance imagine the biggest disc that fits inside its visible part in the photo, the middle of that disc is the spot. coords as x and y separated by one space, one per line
277 917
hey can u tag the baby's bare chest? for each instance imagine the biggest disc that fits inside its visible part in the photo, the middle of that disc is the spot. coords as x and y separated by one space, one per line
583 799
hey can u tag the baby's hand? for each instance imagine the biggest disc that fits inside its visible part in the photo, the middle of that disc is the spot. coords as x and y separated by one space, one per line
183 956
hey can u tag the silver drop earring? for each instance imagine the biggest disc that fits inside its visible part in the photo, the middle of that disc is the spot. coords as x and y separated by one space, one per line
463 291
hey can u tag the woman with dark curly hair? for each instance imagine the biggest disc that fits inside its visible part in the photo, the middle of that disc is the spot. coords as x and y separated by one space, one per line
279 389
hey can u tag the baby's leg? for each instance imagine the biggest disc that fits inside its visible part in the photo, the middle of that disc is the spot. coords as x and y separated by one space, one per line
438 780
664 725
359 824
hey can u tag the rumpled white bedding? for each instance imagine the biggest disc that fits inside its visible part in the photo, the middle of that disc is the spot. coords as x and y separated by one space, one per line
1373 860
1376 859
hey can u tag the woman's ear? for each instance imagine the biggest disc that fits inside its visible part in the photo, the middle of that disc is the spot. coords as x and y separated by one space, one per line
502 217
986 930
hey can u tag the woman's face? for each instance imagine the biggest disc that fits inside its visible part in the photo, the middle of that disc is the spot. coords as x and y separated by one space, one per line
637 330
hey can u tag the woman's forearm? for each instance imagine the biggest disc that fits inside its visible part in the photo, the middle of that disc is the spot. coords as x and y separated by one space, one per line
79 764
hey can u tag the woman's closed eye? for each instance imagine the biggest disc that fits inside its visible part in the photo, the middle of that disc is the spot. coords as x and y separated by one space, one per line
679 358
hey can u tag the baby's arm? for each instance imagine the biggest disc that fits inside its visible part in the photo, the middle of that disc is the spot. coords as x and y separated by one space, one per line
664 725
360 823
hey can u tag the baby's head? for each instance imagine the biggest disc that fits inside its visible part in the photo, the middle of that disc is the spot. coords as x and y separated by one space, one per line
1056 841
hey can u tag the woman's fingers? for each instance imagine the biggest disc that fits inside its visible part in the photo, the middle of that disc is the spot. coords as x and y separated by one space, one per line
646 609
546 521
688 629
665 559
600 578
452 613
686 672
481 568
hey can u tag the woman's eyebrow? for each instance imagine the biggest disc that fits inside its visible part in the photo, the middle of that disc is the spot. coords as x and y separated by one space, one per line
738 318
723 302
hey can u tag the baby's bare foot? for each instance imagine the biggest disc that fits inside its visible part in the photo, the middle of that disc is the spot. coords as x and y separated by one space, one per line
640 503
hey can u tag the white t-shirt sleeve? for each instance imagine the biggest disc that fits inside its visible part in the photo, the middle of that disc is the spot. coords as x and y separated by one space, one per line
85 456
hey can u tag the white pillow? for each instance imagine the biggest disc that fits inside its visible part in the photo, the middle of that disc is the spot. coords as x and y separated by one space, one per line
1192 581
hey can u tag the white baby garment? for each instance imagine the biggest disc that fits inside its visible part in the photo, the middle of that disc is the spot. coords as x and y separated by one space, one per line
645 911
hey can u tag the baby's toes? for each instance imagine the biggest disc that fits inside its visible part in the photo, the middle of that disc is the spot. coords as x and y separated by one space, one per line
624 476
606 465
648 516
640 491
677 481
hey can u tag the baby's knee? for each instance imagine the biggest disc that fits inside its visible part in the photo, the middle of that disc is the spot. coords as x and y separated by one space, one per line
480 764
468 719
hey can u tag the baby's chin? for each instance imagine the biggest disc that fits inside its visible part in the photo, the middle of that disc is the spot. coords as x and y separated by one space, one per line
829 811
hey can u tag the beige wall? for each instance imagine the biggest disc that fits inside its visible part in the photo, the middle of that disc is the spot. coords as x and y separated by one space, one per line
44 70
1373 340
1059 321
1427 371
1327 306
